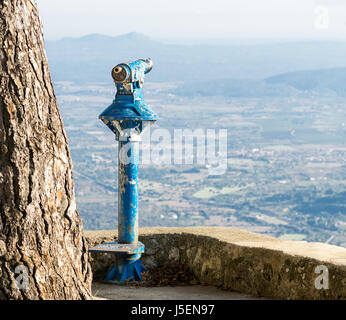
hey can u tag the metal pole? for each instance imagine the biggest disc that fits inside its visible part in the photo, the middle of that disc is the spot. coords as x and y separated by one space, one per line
128 192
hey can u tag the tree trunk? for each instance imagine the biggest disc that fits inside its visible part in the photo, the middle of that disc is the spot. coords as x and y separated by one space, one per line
43 254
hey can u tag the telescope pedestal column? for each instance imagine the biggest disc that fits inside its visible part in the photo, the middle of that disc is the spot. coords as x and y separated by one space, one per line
128 191
128 249
128 266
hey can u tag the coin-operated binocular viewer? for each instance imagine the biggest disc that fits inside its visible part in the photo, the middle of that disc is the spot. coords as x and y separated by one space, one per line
127 117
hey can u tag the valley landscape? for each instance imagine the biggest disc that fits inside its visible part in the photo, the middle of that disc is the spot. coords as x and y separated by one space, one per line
286 129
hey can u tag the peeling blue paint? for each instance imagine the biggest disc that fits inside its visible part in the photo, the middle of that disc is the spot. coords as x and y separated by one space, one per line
128 194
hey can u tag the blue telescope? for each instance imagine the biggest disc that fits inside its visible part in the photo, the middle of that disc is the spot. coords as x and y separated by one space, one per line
127 117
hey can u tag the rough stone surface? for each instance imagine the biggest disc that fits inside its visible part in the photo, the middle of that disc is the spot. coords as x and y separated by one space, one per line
238 260
40 228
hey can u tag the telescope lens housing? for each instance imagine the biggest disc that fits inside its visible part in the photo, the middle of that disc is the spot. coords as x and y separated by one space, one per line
119 74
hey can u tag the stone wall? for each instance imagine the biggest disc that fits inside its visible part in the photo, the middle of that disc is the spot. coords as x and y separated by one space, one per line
238 260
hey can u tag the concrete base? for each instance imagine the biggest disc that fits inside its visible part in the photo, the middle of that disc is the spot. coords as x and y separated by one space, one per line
109 292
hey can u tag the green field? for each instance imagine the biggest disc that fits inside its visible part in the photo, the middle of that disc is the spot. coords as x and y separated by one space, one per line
211 192
293 236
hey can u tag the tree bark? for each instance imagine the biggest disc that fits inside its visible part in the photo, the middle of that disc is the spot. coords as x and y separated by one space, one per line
43 254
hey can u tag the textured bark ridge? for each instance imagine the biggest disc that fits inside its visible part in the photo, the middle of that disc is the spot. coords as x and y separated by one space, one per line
43 254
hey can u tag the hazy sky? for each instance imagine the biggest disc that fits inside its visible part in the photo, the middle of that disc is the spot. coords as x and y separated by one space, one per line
197 19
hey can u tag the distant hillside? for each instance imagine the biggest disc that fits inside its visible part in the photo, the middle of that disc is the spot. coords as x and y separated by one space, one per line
90 58
333 80
242 88
318 81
